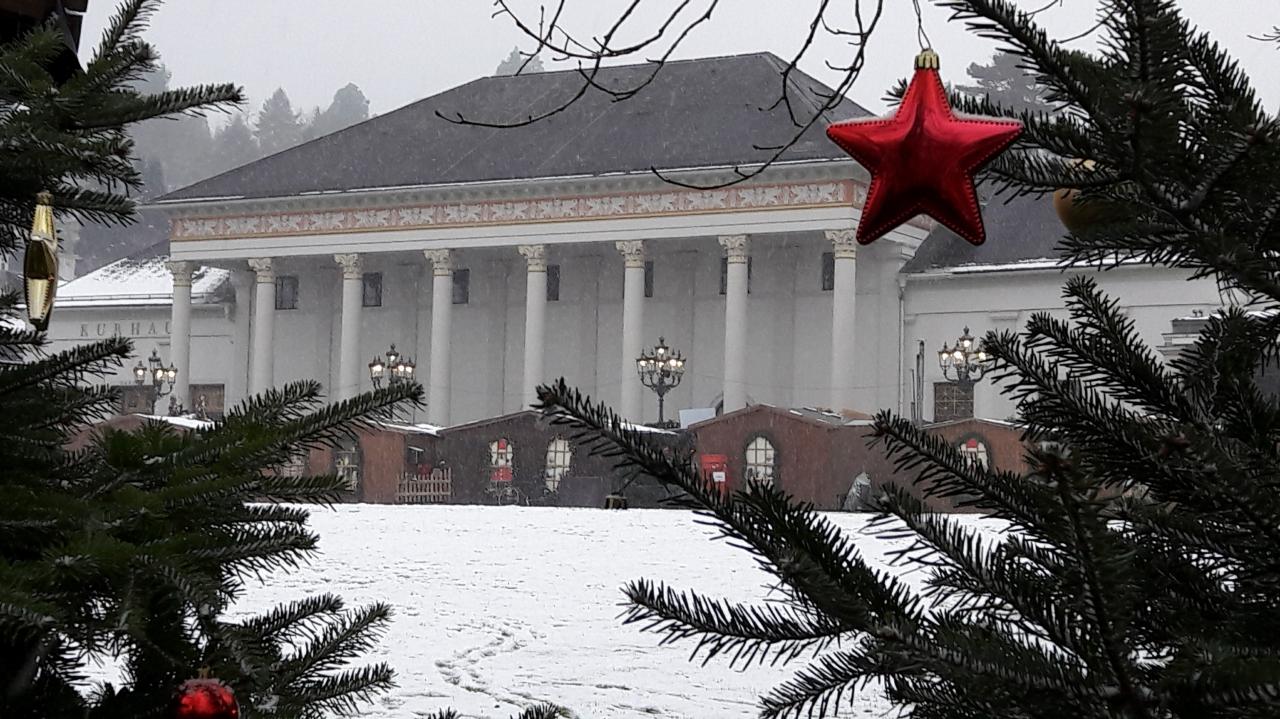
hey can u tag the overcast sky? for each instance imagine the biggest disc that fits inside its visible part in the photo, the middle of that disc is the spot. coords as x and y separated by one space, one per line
399 51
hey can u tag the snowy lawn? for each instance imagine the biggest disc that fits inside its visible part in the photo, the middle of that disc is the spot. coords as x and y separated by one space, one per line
496 607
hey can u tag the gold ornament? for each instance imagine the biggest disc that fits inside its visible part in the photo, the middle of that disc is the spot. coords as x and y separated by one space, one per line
40 265
1077 216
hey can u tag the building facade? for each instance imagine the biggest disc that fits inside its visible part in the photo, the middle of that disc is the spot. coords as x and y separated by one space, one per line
503 259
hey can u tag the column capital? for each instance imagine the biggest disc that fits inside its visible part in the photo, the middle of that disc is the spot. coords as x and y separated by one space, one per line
535 256
352 265
264 268
735 247
632 251
845 242
181 271
441 262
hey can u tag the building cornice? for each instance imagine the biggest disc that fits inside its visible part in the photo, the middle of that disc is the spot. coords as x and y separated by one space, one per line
805 186
645 181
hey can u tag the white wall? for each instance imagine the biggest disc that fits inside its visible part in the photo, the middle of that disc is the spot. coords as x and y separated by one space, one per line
938 308
148 328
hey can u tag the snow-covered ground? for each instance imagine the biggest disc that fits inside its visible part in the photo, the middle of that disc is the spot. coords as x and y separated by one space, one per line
496 607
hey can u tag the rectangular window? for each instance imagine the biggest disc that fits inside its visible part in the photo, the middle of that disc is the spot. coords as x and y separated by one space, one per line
828 271
208 400
287 292
372 289
134 399
648 278
724 275
553 283
952 400
461 287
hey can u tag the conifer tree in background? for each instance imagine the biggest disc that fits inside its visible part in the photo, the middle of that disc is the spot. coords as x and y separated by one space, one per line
1006 80
132 549
279 127
349 106
1140 573
517 60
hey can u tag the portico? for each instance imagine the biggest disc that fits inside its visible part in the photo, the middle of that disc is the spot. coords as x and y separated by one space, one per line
501 261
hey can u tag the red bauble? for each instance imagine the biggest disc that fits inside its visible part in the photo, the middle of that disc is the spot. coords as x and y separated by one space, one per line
923 158
205 699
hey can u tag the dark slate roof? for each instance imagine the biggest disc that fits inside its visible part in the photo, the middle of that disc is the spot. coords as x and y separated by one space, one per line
1025 228
697 113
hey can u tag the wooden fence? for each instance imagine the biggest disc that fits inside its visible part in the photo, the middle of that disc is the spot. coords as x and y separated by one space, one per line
433 488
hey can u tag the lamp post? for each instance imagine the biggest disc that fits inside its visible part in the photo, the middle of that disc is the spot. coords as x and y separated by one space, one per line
964 362
661 370
393 366
160 378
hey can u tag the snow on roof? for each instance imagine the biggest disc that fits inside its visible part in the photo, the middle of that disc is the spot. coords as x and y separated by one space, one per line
136 282
645 428
184 422
1038 263
417 428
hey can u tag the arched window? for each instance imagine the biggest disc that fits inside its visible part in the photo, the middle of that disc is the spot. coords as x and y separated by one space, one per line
501 460
975 450
559 458
762 461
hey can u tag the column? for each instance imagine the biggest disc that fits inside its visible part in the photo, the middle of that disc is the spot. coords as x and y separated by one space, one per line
238 379
843 319
441 309
264 315
535 313
736 249
352 303
180 331
630 397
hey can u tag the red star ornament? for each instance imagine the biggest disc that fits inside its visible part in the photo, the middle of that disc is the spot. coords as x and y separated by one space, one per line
922 159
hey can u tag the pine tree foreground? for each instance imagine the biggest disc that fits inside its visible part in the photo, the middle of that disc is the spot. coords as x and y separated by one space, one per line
1139 572
132 549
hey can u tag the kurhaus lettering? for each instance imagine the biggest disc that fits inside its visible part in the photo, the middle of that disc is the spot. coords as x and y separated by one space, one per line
125 329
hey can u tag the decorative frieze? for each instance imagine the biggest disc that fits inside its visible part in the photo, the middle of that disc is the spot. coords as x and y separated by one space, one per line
674 201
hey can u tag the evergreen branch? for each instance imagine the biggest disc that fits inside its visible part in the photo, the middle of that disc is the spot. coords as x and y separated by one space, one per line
805 552
824 685
66 367
344 638
343 693
943 472
289 622
748 633
125 26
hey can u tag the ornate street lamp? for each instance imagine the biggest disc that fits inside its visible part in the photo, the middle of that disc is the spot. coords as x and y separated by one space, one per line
965 362
661 371
394 366
160 378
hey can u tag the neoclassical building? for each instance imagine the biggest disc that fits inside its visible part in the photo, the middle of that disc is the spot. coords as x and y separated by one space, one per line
500 259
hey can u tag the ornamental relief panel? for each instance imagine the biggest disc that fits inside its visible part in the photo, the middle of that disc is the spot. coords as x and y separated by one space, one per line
492 212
